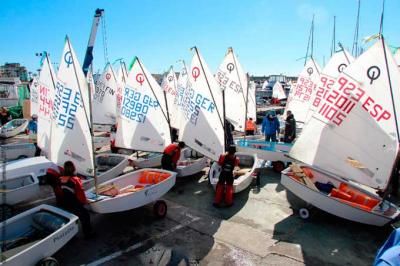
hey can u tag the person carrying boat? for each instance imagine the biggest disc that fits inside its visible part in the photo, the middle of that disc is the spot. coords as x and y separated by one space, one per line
171 156
290 128
250 127
228 163
270 127
71 196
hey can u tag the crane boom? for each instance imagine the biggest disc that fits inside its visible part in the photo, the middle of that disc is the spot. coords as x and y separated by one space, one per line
89 50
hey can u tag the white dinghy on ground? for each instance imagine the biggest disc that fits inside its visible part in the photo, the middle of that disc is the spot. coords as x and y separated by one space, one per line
13 128
361 100
31 237
248 164
133 190
190 163
15 151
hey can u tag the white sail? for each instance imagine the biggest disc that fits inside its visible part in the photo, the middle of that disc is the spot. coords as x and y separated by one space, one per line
70 133
353 134
121 80
90 81
265 85
142 122
278 92
338 62
251 101
299 99
397 57
46 87
233 81
181 86
169 86
202 109
34 97
104 104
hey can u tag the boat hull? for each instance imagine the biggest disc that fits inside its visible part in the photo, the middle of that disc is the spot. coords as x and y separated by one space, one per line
240 183
331 205
19 189
14 151
11 131
265 150
132 200
47 246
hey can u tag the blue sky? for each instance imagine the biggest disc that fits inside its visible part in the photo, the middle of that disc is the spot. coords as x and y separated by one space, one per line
268 36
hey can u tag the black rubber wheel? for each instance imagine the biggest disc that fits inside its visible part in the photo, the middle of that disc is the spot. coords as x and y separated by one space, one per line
6 212
304 213
160 209
278 166
49 261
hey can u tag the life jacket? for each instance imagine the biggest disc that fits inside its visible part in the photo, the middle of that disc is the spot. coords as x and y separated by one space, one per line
250 125
173 151
228 165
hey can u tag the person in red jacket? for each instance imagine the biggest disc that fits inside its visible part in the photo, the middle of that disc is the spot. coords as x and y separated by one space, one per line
72 197
171 156
228 162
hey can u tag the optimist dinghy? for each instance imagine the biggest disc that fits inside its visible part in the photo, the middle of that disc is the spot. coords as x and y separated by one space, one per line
131 191
334 142
13 128
248 163
31 237
190 163
14 151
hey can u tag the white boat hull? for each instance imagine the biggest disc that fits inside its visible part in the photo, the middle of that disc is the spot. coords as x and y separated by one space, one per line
333 205
152 160
14 151
19 189
131 200
189 163
36 165
116 163
8 131
243 181
45 247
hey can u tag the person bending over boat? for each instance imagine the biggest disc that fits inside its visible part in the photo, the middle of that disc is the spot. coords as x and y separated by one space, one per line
250 127
270 127
4 116
171 156
290 128
228 163
71 197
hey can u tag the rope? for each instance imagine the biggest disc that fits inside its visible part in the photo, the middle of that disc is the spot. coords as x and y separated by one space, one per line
103 25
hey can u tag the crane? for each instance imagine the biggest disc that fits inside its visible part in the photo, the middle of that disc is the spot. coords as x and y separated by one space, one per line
89 50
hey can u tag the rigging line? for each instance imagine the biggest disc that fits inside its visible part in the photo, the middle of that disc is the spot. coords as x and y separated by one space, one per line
54 88
345 55
333 45
103 23
355 49
209 88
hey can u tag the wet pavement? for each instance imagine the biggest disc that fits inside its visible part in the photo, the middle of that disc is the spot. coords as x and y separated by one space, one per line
261 228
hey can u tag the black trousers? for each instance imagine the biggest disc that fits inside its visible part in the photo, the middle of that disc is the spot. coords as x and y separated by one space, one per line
249 132
225 178
83 215
166 163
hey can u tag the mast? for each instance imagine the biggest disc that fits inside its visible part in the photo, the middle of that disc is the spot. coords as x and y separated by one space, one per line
310 42
90 122
333 46
355 51
166 106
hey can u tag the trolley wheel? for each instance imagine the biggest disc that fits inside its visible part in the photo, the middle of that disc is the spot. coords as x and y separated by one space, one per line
49 261
304 213
160 209
278 166
6 212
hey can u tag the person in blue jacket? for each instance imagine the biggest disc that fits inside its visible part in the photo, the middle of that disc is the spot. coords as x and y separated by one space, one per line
270 127
389 253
